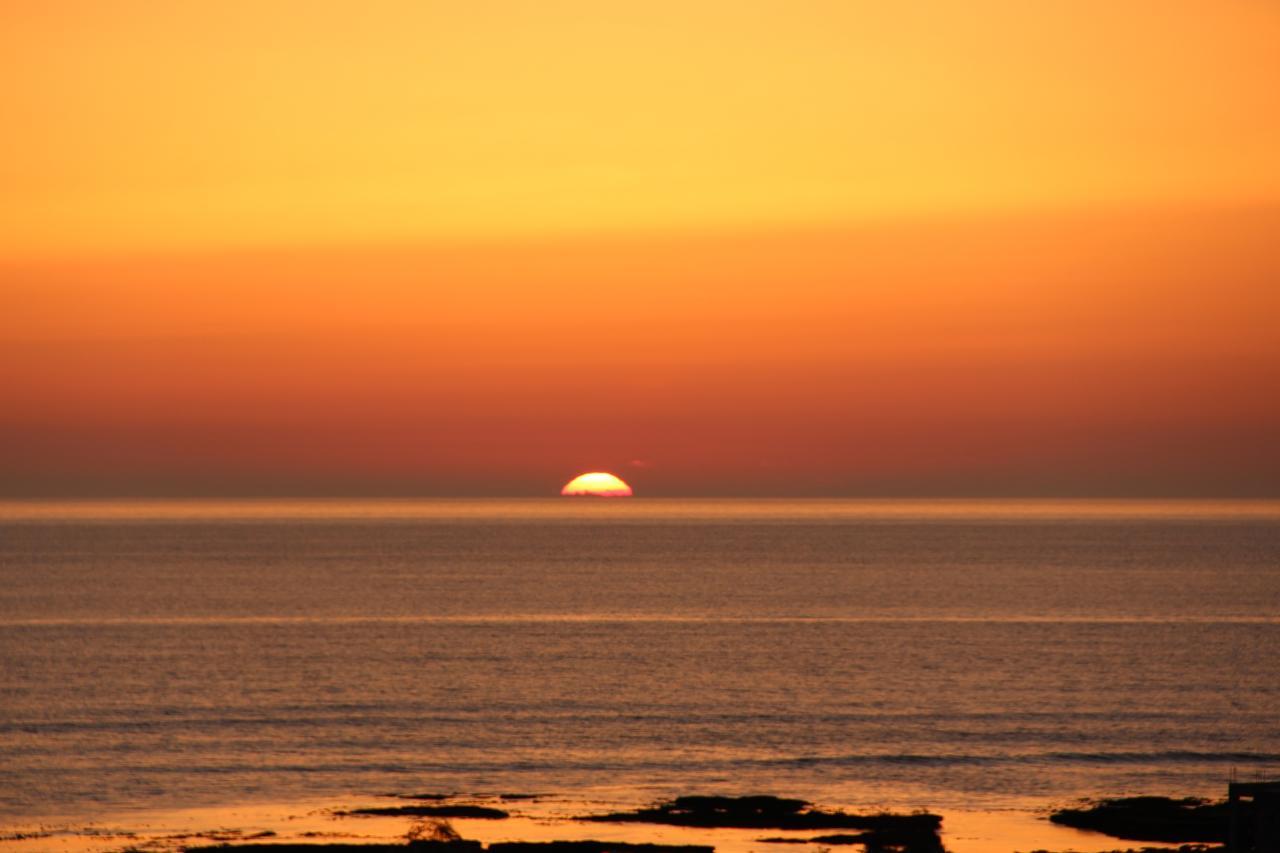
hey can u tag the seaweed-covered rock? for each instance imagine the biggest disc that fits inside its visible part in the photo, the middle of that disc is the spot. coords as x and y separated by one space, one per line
1152 819
916 833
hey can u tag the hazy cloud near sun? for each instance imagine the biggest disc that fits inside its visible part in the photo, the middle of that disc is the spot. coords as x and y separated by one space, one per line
1092 353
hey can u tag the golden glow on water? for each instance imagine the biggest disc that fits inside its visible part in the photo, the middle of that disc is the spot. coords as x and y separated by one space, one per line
951 654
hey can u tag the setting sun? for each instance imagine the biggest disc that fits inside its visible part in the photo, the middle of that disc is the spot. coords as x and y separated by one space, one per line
597 484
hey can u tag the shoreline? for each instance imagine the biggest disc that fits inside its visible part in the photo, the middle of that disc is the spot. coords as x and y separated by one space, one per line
533 818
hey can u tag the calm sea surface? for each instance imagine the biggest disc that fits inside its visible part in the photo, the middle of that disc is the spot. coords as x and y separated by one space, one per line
947 654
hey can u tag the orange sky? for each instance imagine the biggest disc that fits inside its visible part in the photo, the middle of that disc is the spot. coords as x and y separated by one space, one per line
717 248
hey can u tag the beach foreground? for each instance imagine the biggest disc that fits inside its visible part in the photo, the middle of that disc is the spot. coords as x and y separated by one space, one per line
536 818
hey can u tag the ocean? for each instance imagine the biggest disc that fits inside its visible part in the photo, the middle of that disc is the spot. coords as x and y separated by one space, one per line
904 654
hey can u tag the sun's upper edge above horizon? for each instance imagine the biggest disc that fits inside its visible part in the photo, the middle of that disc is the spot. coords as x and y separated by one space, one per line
597 484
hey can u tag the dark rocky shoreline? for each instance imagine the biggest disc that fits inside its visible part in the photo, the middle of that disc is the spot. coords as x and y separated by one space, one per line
878 833
1188 820
1199 825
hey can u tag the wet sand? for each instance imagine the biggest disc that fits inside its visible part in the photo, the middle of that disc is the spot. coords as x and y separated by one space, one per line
545 818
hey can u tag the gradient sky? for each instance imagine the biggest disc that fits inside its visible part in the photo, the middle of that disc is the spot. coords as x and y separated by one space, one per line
959 248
